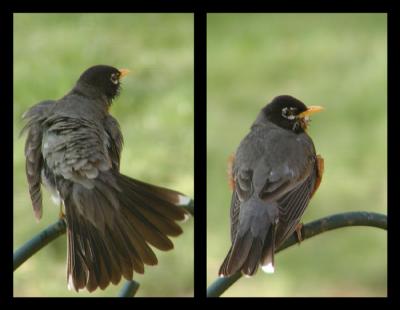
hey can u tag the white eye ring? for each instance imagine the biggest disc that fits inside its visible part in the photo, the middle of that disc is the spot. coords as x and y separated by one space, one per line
114 79
285 114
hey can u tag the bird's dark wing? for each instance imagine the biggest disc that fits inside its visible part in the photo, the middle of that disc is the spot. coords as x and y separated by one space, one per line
294 203
292 206
241 192
33 151
235 208
76 150
116 140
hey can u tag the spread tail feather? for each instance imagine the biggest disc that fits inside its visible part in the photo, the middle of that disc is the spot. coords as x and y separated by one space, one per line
109 230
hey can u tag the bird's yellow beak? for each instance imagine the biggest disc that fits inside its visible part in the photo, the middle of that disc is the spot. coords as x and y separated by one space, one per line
124 72
310 110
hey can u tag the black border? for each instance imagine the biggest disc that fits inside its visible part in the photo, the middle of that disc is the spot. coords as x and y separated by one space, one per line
200 10
6 124
200 154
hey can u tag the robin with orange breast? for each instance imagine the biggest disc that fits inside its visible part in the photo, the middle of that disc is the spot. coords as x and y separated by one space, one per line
73 148
274 174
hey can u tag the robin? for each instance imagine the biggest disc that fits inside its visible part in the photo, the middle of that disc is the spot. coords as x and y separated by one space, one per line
73 148
273 174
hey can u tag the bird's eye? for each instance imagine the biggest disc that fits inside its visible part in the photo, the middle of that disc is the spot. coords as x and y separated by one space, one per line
114 78
288 113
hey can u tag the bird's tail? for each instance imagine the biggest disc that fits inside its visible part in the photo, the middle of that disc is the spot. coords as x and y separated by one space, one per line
111 225
254 242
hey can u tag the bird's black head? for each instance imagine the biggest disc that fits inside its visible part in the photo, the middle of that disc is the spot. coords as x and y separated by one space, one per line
103 80
288 112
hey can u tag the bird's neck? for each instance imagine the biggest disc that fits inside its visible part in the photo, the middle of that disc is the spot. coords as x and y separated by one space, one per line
85 90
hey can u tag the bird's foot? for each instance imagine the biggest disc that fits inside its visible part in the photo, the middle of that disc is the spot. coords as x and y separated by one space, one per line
298 232
61 214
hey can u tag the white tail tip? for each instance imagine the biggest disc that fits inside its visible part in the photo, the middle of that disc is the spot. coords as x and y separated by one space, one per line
186 217
70 283
183 200
269 268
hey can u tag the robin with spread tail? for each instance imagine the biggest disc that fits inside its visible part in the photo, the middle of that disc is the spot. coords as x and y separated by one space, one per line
273 174
73 148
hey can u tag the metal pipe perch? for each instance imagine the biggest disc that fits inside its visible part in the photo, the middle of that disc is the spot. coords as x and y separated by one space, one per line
219 286
57 229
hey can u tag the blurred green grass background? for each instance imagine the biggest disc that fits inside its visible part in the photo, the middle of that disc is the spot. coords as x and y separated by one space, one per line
155 111
334 60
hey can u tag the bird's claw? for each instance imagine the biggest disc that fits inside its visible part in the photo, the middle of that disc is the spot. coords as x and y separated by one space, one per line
298 232
61 214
